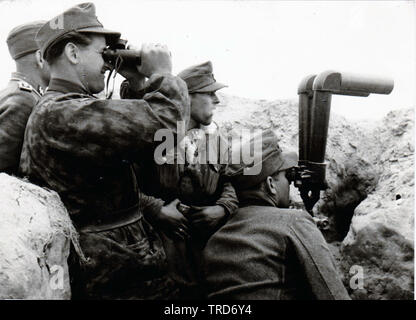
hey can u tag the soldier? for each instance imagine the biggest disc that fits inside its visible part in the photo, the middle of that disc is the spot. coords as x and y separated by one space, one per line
263 251
21 94
82 147
199 183
203 137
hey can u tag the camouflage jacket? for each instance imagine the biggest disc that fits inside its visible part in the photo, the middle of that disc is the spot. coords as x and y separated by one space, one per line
16 103
82 147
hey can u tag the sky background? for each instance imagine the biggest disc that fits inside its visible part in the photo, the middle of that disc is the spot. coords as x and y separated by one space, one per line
262 49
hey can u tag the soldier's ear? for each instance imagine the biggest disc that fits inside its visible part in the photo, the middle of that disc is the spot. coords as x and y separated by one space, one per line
71 52
270 185
39 60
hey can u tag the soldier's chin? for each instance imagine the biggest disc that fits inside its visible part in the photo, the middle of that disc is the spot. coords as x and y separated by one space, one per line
98 88
207 121
284 203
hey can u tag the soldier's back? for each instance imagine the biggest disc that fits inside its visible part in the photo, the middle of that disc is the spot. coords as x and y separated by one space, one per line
16 103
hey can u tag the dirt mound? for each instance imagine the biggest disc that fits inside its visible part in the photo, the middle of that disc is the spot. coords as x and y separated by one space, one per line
35 235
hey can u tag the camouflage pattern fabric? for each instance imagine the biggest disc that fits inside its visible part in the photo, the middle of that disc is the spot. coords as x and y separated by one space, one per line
82 147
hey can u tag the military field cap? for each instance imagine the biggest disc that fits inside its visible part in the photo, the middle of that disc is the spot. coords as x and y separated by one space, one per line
80 18
21 39
270 160
199 78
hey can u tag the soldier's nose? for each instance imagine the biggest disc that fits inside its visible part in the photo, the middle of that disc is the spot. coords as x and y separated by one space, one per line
215 99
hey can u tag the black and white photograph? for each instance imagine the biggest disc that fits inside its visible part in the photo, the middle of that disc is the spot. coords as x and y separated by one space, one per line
207 154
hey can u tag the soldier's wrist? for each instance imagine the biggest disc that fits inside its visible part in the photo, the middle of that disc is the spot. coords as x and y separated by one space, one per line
154 215
225 209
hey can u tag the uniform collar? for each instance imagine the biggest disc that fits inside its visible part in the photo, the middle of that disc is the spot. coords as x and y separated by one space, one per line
65 86
254 198
23 77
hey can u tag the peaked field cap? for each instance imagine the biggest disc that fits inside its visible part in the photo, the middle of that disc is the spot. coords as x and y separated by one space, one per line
270 160
200 79
80 18
21 39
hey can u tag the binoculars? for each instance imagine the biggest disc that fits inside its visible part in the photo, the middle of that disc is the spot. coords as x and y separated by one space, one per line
117 54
